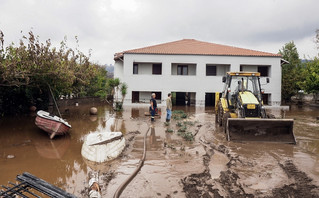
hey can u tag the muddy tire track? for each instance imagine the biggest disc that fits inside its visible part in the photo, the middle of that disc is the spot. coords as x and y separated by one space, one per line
229 183
302 187
202 184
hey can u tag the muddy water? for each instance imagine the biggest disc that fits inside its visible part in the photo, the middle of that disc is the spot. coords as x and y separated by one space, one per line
25 148
306 153
263 166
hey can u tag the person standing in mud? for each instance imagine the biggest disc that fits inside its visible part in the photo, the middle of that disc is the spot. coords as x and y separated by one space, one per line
153 107
168 107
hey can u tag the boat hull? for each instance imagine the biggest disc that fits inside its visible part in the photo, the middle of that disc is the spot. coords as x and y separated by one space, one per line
51 126
106 146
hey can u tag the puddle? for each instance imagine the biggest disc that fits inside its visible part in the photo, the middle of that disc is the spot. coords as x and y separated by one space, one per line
217 164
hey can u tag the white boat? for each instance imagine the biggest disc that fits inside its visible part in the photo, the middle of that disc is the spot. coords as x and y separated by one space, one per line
102 147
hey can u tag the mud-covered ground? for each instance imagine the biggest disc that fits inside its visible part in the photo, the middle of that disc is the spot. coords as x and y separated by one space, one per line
266 176
190 157
209 166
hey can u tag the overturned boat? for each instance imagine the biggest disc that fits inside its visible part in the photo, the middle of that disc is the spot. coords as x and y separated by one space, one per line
102 147
51 124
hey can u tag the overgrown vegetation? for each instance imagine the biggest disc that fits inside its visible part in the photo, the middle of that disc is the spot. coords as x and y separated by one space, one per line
178 115
187 135
169 130
183 126
183 130
27 69
299 75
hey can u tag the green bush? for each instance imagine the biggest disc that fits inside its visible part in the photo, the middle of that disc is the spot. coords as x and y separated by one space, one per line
179 124
189 123
169 130
179 114
188 136
182 129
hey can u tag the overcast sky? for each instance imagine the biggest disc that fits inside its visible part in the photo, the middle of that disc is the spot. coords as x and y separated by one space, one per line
110 26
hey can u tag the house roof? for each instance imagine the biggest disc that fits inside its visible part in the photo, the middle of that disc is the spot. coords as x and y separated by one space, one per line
194 47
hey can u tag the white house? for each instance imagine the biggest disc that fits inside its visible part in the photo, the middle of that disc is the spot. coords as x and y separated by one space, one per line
192 71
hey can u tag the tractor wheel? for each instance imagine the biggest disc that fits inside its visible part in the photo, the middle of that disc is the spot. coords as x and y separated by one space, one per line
216 116
225 118
219 114
264 114
227 132
272 116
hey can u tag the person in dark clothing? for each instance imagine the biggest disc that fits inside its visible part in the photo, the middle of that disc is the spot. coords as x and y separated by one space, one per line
153 107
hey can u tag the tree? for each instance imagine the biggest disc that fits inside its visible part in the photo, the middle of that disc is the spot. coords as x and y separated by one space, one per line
123 91
317 38
311 72
290 53
116 86
113 85
98 84
26 71
291 72
311 83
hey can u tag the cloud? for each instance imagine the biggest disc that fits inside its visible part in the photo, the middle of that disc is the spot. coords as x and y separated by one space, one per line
110 26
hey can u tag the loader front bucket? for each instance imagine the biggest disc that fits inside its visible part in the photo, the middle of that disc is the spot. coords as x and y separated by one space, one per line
263 130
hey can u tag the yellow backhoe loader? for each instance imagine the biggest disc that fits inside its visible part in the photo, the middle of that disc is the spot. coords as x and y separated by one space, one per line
241 112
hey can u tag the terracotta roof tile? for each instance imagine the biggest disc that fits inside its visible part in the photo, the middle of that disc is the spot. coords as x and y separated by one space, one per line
195 47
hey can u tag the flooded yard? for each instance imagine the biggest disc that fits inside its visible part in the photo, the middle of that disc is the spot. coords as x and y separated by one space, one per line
174 167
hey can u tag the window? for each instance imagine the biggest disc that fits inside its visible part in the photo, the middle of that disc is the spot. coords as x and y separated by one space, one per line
182 70
263 70
157 69
135 68
210 70
158 95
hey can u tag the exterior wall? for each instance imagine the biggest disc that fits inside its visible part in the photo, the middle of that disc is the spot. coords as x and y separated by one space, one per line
119 69
199 83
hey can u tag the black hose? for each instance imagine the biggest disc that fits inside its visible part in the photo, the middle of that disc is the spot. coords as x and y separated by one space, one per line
129 179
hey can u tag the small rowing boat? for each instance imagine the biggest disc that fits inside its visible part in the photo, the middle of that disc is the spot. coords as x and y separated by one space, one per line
51 124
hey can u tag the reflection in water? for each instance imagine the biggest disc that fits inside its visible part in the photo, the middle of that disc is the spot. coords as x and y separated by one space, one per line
58 161
155 142
52 149
93 118
135 113
152 136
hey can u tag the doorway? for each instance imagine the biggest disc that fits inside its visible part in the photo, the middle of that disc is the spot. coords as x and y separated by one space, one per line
209 99
180 98
183 98
265 98
135 96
